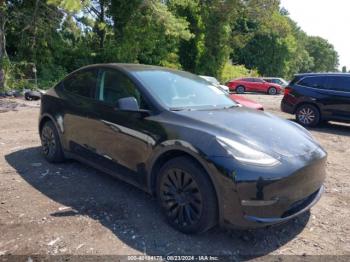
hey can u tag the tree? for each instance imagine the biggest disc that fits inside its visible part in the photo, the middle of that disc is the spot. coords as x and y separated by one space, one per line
344 70
217 16
190 50
324 56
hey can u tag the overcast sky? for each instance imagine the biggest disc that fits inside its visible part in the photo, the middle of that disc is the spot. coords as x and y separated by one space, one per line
329 19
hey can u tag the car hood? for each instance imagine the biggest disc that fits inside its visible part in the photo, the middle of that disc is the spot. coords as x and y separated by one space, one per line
260 130
246 102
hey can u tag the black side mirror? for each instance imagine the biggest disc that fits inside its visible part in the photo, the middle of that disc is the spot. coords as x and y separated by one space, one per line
128 104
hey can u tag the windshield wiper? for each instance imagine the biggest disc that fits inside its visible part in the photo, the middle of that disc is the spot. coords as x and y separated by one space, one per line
180 108
228 107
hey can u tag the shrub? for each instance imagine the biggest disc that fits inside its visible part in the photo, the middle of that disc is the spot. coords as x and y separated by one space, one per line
230 72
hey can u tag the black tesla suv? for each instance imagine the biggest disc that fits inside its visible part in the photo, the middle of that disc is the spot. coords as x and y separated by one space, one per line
314 98
173 134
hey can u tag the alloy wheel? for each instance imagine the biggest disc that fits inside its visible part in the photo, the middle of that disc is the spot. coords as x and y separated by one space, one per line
181 197
48 141
306 115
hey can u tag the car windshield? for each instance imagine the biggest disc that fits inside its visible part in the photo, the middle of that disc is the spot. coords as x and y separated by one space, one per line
179 90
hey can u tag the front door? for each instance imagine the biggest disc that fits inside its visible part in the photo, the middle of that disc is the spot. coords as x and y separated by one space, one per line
122 139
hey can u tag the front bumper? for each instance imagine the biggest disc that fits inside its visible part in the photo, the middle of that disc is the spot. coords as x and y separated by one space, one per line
253 197
296 209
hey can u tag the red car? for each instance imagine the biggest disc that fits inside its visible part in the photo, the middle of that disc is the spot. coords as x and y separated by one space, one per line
251 84
246 102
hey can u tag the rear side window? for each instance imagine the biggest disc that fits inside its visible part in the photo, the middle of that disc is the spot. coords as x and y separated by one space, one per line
319 82
340 83
82 83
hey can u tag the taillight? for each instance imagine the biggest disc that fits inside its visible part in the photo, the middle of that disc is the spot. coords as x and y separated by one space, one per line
287 90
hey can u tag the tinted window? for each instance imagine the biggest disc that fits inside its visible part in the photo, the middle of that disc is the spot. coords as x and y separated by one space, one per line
295 79
314 82
82 83
115 85
340 83
179 90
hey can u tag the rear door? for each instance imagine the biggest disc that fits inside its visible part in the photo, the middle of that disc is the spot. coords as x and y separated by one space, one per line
79 92
260 85
340 97
249 84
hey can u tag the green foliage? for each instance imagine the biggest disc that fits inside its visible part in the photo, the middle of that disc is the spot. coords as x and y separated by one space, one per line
324 56
199 36
217 16
230 72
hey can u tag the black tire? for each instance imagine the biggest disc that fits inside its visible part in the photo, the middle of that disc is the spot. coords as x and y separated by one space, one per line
27 97
186 196
50 143
308 115
240 89
272 91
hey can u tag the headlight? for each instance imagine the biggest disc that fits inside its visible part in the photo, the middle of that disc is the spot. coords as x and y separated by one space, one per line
247 154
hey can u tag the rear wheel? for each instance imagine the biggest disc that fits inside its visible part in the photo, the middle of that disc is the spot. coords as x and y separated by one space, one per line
272 91
50 143
240 89
186 196
308 115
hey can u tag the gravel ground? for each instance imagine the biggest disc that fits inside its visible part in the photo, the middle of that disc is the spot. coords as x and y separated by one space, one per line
70 209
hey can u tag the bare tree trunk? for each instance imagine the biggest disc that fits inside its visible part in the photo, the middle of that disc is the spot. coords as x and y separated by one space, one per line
101 18
35 30
3 53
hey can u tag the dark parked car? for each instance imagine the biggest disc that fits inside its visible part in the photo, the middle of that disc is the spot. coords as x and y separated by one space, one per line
168 132
318 97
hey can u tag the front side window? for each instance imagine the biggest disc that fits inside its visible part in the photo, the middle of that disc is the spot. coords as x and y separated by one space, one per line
340 83
179 90
82 83
319 82
114 85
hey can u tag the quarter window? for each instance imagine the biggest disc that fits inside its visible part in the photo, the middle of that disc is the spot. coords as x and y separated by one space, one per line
314 82
340 83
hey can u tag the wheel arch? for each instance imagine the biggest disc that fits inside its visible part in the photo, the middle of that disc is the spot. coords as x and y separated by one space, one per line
307 103
47 117
173 152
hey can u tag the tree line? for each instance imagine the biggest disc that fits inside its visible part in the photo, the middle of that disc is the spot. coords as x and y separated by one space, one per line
221 38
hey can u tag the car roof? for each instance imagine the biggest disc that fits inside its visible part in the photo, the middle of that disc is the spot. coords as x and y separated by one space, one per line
323 74
129 67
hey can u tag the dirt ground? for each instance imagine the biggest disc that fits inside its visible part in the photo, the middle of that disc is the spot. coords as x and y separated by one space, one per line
70 208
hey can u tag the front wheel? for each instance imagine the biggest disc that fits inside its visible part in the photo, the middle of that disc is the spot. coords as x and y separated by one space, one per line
308 115
272 91
186 196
